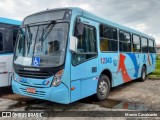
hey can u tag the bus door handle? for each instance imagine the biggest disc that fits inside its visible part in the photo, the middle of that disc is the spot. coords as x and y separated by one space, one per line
94 69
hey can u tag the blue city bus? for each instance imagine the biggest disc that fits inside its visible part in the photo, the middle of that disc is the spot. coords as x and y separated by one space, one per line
8 34
63 55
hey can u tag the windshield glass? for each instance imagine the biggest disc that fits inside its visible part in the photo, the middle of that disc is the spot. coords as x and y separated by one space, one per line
38 46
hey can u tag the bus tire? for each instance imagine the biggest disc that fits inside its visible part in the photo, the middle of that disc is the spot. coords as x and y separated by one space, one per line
103 87
143 74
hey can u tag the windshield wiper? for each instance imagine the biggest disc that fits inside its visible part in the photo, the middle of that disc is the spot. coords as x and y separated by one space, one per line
29 36
29 32
46 31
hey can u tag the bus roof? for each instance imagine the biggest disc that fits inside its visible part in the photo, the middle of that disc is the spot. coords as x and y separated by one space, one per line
10 21
108 22
101 20
105 21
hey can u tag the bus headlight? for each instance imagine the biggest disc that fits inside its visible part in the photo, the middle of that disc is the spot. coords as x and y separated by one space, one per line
56 81
57 78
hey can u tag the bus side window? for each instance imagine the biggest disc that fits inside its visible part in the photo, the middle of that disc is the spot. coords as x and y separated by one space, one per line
86 45
108 38
144 43
136 43
151 46
124 41
1 41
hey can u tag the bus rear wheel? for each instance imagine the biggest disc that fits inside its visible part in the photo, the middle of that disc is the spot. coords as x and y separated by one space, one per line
103 87
143 74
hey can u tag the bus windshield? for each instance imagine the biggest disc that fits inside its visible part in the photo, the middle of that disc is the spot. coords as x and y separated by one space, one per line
47 42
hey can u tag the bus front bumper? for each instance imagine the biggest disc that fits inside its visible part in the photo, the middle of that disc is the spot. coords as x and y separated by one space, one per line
59 94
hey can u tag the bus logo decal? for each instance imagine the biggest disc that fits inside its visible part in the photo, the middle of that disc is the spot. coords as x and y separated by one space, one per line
106 60
122 67
135 63
36 61
45 82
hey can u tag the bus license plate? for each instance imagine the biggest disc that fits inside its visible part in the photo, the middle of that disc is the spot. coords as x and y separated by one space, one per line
31 90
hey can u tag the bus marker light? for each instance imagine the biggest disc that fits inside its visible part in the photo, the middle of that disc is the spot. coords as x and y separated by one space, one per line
59 72
72 88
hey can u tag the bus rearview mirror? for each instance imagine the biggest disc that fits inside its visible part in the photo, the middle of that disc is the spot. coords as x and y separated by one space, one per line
80 27
73 44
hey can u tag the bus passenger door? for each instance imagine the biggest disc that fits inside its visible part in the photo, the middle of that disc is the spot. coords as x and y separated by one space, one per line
84 68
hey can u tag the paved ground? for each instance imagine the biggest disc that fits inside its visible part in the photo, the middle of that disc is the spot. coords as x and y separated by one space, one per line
147 93
131 96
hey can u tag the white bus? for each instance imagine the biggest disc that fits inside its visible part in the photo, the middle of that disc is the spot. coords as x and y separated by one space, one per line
8 34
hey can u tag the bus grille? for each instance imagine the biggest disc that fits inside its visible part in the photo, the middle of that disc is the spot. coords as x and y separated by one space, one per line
39 94
34 74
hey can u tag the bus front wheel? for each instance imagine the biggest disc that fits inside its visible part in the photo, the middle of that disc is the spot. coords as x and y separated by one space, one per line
143 74
103 87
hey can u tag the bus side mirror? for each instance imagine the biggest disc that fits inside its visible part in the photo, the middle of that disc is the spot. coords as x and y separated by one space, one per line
73 44
80 28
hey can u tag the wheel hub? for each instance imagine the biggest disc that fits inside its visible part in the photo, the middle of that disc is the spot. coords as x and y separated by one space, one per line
103 87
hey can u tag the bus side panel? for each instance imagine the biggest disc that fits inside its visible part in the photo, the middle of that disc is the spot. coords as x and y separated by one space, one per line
76 91
4 80
6 69
109 61
148 59
83 88
153 59
124 66
84 79
151 62
86 72
134 65
92 82
117 79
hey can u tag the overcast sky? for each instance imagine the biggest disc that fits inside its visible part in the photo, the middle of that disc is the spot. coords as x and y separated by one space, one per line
143 15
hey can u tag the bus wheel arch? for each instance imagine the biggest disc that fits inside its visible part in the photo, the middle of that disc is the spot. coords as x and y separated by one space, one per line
104 85
143 73
108 74
145 67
